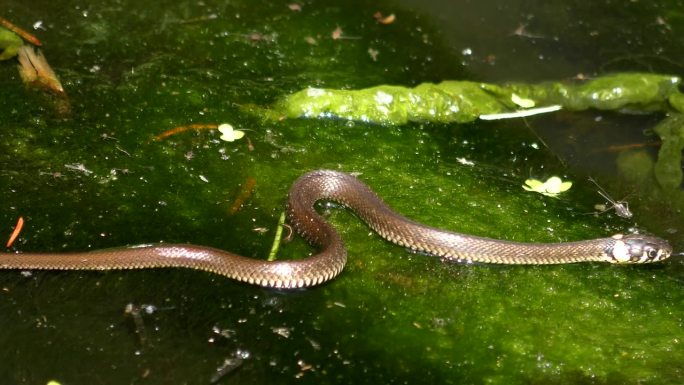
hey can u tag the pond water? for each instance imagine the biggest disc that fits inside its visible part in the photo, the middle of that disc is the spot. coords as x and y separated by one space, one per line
95 178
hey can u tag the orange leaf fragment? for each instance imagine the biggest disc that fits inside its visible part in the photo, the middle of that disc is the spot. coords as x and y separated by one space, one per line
16 231
35 70
384 20
337 33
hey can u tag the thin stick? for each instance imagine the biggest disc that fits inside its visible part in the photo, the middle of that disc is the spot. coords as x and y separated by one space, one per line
276 239
623 147
179 129
245 193
21 32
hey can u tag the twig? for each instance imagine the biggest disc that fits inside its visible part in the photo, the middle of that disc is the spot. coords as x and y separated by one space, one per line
20 31
244 194
629 146
179 129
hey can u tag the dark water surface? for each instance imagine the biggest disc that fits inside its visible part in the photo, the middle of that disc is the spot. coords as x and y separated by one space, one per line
135 69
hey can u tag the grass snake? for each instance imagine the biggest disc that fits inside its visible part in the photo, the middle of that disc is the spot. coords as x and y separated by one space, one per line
330 260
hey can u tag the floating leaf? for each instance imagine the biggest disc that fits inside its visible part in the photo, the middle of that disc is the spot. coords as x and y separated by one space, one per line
9 44
551 188
230 134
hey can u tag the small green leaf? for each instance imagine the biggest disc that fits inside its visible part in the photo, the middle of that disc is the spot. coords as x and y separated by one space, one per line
9 44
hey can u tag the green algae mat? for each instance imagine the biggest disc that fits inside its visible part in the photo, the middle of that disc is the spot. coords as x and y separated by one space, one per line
137 158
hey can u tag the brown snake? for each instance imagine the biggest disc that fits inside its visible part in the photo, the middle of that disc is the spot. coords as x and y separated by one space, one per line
329 262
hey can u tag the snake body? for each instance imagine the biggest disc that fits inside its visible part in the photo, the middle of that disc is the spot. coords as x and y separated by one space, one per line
330 260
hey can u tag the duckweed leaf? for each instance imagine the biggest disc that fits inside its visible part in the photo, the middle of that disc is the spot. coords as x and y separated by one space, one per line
551 188
230 134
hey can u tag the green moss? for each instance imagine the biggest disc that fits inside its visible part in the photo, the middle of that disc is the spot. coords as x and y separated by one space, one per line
677 101
640 91
668 169
466 101
449 101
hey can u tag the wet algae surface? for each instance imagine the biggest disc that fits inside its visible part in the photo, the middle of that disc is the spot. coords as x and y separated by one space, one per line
96 178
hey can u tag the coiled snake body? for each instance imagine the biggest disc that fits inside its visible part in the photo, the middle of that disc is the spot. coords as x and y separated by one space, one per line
329 262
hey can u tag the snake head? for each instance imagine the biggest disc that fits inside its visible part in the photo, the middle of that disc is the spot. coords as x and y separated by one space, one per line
638 248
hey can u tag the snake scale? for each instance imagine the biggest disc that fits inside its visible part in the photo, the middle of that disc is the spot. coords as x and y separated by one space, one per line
330 260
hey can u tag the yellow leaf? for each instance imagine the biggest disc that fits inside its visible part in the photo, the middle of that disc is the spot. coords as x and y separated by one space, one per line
534 185
230 134
522 102
552 187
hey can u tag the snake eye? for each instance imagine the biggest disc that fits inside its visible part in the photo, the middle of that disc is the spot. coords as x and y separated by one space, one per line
651 253
654 254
